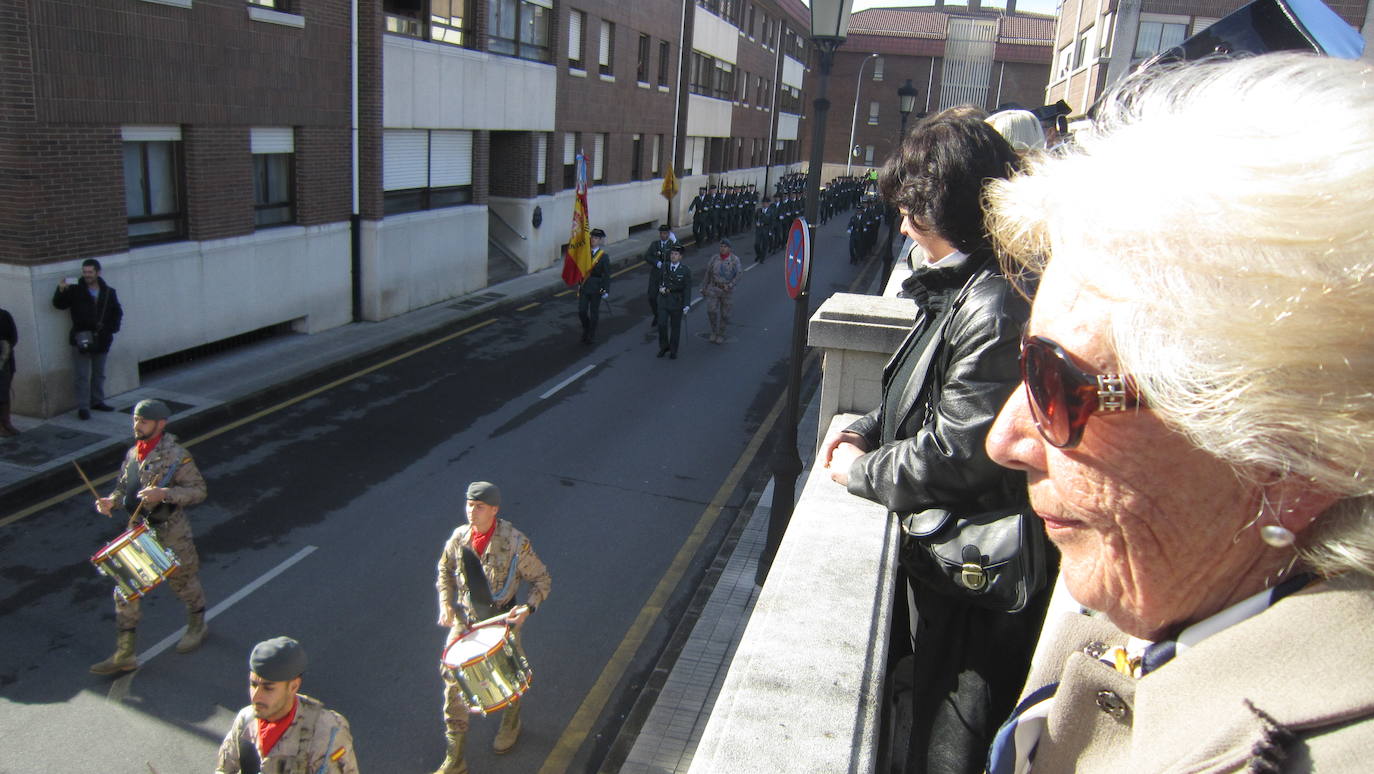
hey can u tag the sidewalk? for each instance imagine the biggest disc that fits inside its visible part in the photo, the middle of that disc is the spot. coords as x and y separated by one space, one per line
209 392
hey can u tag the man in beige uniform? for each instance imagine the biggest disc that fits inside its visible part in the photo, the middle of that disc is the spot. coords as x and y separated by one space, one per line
283 731
161 474
507 559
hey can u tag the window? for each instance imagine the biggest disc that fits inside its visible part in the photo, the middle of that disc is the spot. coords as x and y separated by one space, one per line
637 158
1080 57
642 61
744 89
520 28
425 169
749 28
1065 61
606 54
448 20
663 62
598 158
1104 44
873 114
570 160
152 184
789 100
274 154
1156 36
878 68
577 21
653 157
541 162
868 155
710 77
763 92
276 5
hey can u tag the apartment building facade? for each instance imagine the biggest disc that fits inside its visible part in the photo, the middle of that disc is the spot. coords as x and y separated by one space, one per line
1099 42
243 168
952 55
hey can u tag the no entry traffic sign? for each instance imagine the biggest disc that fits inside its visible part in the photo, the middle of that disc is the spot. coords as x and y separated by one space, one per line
797 265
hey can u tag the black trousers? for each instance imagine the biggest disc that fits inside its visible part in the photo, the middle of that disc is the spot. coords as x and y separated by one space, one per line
653 302
669 323
760 246
589 312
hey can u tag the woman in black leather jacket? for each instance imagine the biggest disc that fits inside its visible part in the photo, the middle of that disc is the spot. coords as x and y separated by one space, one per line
922 447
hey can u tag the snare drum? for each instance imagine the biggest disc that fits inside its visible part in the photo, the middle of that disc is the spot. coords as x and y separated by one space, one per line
136 562
490 669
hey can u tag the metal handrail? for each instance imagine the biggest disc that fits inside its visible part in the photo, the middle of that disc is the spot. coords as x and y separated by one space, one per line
503 222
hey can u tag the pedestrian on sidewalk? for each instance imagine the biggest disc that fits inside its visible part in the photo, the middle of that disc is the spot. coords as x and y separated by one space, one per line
9 338
284 730
718 288
595 288
506 559
673 299
159 473
96 314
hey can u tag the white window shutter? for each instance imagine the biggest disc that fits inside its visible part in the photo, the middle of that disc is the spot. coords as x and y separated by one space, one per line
575 35
405 157
569 148
541 158
275 139
598 156
604 54
450 158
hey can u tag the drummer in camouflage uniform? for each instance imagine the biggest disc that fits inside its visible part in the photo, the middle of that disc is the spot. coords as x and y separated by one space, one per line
161 474
507 559
284 731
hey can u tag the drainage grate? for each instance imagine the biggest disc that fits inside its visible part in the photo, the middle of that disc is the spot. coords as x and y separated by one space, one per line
213 348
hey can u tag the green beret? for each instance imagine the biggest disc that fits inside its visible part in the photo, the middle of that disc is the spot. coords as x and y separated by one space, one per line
152 409
486 492
279 659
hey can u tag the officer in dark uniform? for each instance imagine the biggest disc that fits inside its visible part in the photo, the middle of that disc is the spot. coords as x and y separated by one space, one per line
763 228
673 297
700 206
655 255
595 287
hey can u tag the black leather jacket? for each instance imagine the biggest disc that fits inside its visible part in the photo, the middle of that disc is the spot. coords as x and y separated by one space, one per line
937 457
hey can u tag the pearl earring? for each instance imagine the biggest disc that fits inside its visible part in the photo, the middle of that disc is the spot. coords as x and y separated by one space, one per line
1277 536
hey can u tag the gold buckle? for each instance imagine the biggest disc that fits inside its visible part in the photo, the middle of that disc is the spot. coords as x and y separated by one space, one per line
973 577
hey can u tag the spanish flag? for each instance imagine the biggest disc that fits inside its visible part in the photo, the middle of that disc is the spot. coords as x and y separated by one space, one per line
577 261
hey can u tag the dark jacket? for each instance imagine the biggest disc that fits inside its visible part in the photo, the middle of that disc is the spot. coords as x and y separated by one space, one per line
102 314
936 455
655 255
678 284
598 280
10 333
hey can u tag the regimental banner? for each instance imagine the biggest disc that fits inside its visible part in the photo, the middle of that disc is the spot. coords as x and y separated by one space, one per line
669 189
577 261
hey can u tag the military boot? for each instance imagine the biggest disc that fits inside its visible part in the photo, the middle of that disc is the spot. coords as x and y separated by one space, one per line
453 759
123 659
510 730
195 633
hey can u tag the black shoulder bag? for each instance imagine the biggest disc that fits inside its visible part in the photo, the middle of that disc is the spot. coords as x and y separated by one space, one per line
992 559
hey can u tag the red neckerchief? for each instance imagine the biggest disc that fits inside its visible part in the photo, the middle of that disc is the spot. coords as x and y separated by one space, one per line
480 540
270 731
145 447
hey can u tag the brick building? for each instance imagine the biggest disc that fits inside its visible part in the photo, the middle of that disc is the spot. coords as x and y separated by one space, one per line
953 55
250 167
1099 42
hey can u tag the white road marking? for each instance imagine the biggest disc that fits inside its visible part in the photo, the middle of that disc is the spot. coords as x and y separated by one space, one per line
120 688
567 381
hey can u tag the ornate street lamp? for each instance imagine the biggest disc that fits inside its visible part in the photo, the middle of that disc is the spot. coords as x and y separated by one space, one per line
829 26
906 101
854 118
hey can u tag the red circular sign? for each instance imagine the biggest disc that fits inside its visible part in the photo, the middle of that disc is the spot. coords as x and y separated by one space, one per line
797 263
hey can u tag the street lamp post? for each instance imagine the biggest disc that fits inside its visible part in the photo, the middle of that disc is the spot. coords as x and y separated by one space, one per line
854 119
906 102
829 25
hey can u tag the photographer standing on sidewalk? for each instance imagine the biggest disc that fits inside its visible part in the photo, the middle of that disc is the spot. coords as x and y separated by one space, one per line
96 315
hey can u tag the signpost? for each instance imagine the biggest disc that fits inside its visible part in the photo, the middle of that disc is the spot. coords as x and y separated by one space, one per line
797 262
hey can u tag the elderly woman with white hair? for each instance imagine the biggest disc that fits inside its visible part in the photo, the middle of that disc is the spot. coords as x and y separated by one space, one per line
1197 424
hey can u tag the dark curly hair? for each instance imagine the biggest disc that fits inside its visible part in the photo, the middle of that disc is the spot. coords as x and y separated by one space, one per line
940 172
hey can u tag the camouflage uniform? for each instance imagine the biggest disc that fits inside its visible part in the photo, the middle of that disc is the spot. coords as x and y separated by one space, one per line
508 550
168 520
315 737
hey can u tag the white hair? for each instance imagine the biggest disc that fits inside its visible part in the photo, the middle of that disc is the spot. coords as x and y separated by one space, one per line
1227 209
1020 128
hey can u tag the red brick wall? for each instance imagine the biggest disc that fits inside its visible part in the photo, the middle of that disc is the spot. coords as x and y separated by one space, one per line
219 181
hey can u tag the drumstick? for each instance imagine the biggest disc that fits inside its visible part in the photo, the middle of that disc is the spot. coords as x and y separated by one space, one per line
89 485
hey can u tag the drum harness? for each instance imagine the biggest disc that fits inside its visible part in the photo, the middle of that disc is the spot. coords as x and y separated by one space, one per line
483 601
131 471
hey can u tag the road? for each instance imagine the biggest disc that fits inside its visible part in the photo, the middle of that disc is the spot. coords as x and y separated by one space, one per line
326 517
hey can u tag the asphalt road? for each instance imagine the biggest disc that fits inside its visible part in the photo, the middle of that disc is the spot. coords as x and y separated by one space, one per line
325 520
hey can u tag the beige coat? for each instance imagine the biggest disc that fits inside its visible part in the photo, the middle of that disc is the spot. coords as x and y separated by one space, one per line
508 560
1302 667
